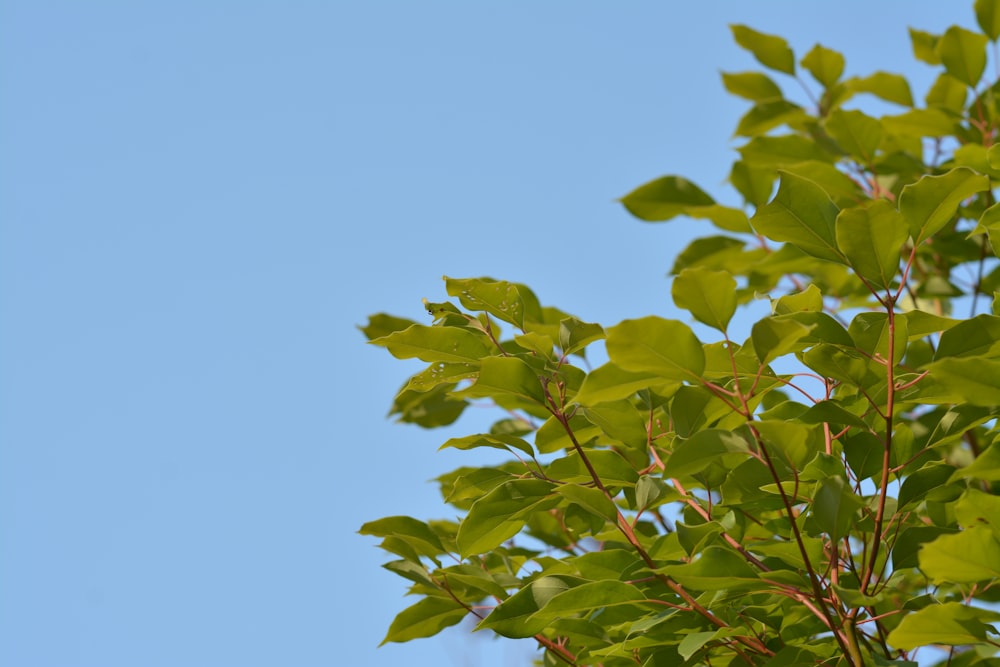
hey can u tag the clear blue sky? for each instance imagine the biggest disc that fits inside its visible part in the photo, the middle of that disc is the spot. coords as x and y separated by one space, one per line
199 201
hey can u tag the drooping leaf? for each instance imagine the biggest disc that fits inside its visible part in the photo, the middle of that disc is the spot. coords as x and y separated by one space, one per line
826 65
426 618
505 442
931 203
770 50
803 215
494 518
765 116
653 344
963 54
382 325
710 296
513 617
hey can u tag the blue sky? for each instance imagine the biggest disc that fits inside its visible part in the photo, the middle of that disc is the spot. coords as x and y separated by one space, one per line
199 201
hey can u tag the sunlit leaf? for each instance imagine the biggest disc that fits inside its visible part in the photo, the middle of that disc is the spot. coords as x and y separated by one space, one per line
826 65
856 132
704 448
652 344
449 344
803 215
931 203
754 86
963 54
889 87
988 18
769 50
426 618
948 624
708 295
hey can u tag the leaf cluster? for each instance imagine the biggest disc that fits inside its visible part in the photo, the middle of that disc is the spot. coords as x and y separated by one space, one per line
822 491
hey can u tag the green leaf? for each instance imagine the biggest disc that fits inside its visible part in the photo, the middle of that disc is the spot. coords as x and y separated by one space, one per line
590 596
871 333
416 533
765 116
979 336
609 465
610 383
889 87
803 215
975 379
754 183
826 65
770 50
947 93
932 202
782 151
441 373
513 617
449 344
872 238
918 123
665 198
988 17
575 335
963 54
834 507
621 421
591 499
810 299
653 344
425 619
382 325
774 337
948 624
704 448
962 558
716 568
493 519
921 482
753 86
986 466
499 298
710 296
499 441
925 46
787 438
856 132
429 409
501 377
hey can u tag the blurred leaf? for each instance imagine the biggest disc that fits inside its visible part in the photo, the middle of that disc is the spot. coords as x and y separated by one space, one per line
978 336
826 65
975 379
382 325
918 123
753 86
948 624
889 87
769 50
988 17
925 46
963 54
963 558
765 116
947 93
665 198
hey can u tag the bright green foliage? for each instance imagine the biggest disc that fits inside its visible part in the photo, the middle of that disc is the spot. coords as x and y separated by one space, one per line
824 491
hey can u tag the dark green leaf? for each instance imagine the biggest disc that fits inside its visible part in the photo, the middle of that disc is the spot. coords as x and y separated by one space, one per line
513 617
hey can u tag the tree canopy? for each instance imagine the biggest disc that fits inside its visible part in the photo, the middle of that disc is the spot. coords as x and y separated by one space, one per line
823 491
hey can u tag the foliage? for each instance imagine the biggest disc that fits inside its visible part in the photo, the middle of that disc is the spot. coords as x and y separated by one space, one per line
823 492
